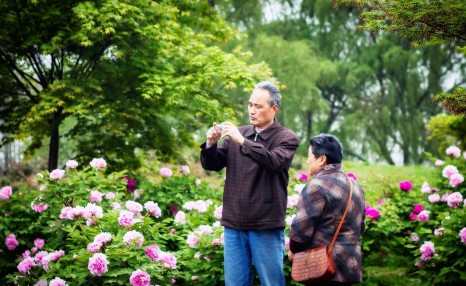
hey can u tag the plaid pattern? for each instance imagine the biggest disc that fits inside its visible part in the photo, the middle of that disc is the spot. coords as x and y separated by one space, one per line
255 192
320 207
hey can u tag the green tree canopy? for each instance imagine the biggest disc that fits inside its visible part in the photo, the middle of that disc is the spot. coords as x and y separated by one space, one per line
129 74
422 22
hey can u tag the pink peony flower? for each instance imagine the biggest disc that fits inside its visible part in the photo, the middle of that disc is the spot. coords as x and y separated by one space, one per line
444 197
418 208
454 200
133 236
414 237
139 278
153 252
222 239
425 189
192 240
448 171
218 212
135 207
25 265
463 235
130 184
39 243
98 264
439 163
165 172
303 177
412 216
372 213
11 242
153 208
287 243
453 151
98 163
67 213
456 179
103 237
5 192
352 176
199 205
110 195
57 282
185 170
71 164
40 256
57 174
180 217
292 201
41 283
126 218
197 182
427 250
39 207
94 247
168 260
95 196
93 210
194 277
423 216
439 231
205 229
299 187
434 198
406 186
116 205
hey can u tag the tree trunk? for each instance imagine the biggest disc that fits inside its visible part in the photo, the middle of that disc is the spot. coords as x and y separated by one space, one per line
309 125
7 154
54 140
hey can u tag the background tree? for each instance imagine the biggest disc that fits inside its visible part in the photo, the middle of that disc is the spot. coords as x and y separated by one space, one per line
424 23
375 90
126 75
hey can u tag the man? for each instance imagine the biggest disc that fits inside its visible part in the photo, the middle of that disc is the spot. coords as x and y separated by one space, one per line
321 206
257 158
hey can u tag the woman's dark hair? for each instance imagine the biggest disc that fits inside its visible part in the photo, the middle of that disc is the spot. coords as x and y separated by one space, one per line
328 145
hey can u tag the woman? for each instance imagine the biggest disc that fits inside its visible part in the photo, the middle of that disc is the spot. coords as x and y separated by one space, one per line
320 208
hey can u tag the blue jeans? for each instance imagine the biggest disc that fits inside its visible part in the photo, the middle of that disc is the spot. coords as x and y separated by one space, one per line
263 248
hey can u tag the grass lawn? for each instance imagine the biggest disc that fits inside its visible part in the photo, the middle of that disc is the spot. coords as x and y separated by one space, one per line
376 179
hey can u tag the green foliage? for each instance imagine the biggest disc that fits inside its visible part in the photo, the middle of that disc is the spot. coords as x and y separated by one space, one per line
131 75
423 22
454 102
447 130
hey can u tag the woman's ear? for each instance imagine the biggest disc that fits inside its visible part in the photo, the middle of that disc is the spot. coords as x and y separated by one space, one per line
323 160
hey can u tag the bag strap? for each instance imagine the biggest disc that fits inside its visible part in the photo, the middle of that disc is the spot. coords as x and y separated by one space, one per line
342 218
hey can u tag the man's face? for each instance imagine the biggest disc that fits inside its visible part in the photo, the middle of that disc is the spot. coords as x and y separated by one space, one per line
314 164
261 114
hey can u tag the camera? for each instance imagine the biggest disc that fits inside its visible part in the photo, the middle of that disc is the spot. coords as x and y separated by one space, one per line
218 128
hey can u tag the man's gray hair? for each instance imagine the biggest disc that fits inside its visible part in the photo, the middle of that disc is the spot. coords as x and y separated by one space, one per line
272 89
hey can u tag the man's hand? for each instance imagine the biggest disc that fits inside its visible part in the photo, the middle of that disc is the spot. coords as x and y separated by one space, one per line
229 129
212 135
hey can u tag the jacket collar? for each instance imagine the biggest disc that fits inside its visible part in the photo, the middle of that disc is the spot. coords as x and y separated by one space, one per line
327 169
264 134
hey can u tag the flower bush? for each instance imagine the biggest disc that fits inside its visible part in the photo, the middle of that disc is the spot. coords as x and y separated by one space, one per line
87 227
